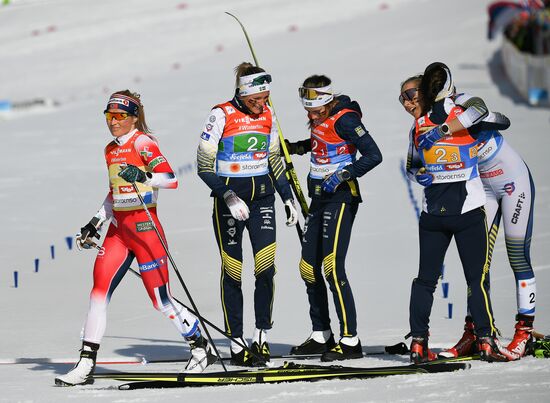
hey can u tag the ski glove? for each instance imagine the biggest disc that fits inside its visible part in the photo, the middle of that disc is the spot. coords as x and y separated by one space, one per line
291 213
299 148
428 139
239 209
425 179
333 181
131 173
85 239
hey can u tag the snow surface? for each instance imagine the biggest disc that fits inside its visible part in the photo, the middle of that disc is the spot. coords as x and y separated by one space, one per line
180 56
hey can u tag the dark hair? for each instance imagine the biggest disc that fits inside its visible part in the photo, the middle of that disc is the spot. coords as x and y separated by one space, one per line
246 69
140 124
433 81
411 79
316 81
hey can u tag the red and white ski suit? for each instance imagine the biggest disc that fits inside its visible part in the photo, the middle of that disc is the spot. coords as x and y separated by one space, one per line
131 235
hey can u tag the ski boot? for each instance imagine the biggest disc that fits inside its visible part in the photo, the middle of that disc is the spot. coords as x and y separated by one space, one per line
466 345
319 342
491 350
240 356
84 368
260 348
201 356
262 354
420 352
348 348
522 343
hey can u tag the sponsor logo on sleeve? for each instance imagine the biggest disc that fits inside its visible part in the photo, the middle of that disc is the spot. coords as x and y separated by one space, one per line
212 118
209 127
145 153
230 110
159 160
205 136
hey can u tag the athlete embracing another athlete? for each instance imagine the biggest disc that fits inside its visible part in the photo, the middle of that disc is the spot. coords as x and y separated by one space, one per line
445 162
510 193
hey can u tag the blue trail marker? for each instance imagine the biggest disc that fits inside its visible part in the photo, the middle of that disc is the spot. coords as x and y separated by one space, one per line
445 288
69 240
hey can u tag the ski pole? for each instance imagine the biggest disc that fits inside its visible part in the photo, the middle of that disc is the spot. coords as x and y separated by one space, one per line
178 273
223 333
290 171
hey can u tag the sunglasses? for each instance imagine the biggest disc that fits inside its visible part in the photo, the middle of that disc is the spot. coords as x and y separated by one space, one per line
117 115
262 79
311 93
408 95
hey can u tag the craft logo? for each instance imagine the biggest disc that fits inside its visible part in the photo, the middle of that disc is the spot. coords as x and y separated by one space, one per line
519 206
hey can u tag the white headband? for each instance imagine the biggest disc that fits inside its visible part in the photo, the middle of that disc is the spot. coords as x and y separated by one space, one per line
323 96
254 83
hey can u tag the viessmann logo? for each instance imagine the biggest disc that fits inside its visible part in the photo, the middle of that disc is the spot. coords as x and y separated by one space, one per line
118 151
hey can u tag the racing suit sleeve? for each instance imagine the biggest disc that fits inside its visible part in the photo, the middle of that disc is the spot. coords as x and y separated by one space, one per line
350 128
207 151
161 174
477 113
276 168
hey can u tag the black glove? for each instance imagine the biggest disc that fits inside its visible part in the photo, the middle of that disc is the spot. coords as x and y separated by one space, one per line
299 148
132 174
85 240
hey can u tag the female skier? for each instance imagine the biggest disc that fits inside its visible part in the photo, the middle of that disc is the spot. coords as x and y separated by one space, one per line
238 158
133 157
337 133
